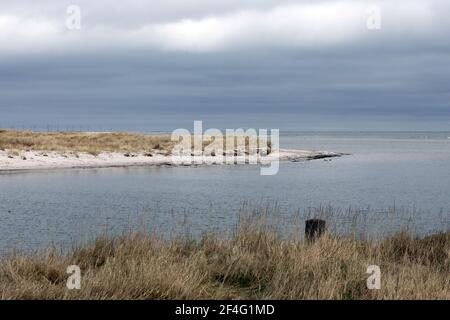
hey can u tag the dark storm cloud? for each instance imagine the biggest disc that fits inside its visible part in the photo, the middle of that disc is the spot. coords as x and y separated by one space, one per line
396 75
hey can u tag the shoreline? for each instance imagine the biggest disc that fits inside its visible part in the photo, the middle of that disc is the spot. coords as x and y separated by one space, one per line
42 160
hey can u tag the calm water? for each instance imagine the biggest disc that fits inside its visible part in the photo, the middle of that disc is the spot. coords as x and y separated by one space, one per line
406 171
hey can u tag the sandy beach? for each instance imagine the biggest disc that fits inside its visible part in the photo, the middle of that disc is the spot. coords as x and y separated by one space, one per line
36 160
26 150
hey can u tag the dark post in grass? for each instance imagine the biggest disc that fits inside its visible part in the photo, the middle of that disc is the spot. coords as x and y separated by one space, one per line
314 228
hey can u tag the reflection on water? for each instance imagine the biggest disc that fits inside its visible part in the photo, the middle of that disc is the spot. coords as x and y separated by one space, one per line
406 171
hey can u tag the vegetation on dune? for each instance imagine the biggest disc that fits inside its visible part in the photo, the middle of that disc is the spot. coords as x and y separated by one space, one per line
255 263
97 142
89 142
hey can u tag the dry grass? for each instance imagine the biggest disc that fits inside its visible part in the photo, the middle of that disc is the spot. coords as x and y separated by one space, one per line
97 142
255 263
93 143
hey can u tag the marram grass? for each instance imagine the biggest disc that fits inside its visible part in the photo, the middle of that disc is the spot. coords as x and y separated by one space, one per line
254 264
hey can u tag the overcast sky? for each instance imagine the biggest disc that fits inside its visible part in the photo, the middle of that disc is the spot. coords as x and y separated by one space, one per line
159 65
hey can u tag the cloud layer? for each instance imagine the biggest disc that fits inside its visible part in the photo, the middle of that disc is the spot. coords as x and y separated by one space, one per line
286 64
290 25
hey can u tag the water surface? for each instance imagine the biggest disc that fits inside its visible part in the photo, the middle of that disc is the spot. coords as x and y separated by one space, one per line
407 173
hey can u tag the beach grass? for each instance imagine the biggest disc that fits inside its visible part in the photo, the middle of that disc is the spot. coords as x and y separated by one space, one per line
97 142
89 142
255 263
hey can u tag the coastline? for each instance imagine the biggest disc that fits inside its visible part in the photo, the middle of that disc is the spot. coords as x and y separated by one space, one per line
37 160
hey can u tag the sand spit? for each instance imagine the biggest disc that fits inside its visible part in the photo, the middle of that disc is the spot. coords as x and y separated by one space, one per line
31 160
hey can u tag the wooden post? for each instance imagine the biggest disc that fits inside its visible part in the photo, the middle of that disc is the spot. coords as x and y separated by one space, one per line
314 228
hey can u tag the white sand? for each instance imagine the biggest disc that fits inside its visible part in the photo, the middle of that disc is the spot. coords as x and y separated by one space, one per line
32 160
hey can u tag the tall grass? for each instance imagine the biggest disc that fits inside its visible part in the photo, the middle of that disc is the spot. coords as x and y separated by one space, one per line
256 262
97 142
89 142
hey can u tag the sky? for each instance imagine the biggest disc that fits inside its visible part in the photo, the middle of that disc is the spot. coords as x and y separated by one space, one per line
293 65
